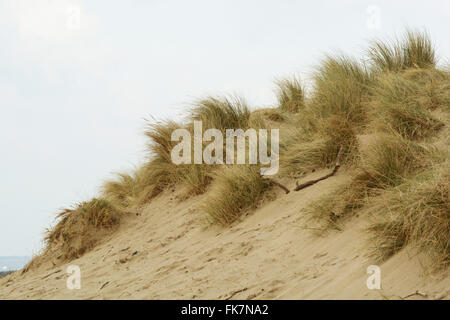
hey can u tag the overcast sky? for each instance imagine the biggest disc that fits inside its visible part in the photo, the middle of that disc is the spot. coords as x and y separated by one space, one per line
77 78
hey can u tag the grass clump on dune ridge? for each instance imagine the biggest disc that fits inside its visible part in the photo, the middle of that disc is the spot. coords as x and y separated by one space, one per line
389 159
417 213
79 229
121 191
139 187
290 95
302 157
321 150
433 85
402 89
400 105
414 50
388 162
221 112
235 190
160 172
340 89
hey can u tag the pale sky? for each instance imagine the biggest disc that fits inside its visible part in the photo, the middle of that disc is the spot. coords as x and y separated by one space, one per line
75 88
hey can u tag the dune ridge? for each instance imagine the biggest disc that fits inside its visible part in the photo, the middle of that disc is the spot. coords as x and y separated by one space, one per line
372 134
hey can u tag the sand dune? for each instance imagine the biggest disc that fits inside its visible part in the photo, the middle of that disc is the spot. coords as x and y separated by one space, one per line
167 252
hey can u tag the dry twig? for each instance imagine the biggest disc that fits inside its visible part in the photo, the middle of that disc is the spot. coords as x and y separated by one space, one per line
337 165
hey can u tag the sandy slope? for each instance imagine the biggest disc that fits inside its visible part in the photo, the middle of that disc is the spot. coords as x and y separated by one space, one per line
269 255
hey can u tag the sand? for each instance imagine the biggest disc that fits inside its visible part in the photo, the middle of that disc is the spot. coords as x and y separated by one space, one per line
168 252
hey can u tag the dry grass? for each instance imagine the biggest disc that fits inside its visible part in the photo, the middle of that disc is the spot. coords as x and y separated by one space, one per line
433 87
389 159
416 213
290 95
139 187
392 177
388 162
338 132
79 229
160 172
402 106
275 115
320 150
236 189
221 112
122 191
414 50
340 89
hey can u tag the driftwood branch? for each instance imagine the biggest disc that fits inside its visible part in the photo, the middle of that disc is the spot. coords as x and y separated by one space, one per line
235 293
104 285
278 184
311 182
417 293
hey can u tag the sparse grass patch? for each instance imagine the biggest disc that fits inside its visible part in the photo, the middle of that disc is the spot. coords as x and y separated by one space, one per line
196 177
258 119
138 188
160 171
160 134
327 211
236 189
79 229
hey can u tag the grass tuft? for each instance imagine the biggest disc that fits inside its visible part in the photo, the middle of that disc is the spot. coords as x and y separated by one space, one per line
221 112
340 89
401 106
236 189
79 229
416 213
390 159
414 50
387 162
321 150
290 95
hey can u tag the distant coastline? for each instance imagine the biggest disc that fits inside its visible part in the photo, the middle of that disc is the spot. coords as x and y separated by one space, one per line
11 263
5 273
